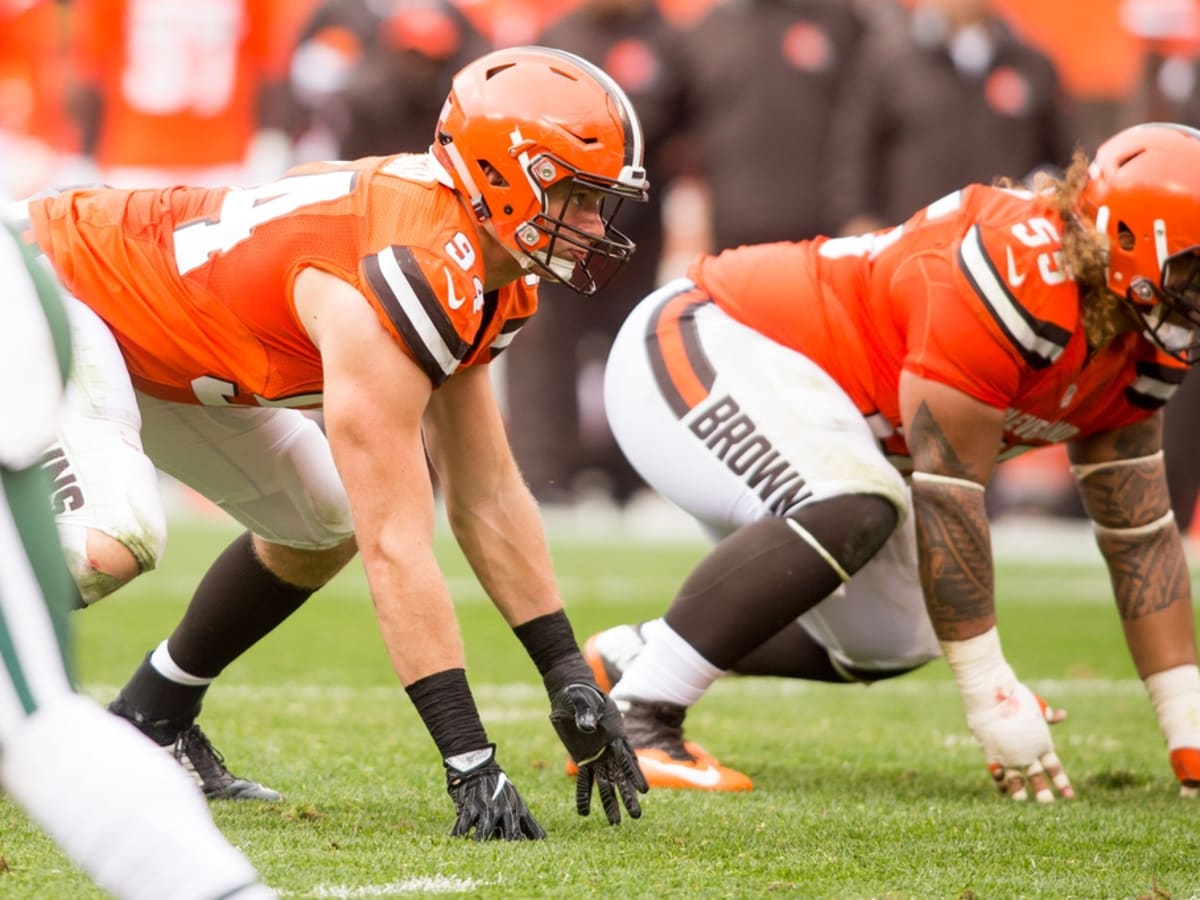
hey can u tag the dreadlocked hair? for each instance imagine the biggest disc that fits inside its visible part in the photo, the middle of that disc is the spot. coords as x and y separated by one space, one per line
1085 256
1085 251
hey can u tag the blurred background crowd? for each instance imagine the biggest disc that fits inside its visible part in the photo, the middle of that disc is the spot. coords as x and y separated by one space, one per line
764 119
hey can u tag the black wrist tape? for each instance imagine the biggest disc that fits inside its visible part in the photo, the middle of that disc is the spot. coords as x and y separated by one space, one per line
548 640
448 710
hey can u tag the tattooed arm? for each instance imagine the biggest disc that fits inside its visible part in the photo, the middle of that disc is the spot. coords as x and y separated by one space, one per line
953 440
1123 482
1122 479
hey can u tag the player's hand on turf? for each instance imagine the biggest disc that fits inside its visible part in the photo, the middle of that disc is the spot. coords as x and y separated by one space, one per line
1015 737
590 727
1052 715
486 801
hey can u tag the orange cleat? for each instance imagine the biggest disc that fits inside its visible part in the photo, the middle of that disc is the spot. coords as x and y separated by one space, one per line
695 774
655 729
698 753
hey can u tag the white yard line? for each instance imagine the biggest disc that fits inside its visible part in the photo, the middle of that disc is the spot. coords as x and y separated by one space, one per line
500 697
431 884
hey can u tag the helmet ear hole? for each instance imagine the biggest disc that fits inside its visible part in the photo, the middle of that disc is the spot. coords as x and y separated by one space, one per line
494 176
1125 236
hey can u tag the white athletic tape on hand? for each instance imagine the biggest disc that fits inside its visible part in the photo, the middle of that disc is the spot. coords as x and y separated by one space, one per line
1044 794
1003 714
1060 779
1175 696
980 668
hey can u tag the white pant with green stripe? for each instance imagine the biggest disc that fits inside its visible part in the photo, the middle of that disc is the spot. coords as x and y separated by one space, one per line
118 806
35 588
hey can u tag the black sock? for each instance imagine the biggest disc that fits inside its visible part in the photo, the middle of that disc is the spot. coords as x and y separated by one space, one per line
747 589
159 707
765 574
790 653
238 602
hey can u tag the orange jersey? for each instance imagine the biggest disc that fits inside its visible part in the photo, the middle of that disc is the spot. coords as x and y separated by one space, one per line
32 76
969 292
179 80
196 284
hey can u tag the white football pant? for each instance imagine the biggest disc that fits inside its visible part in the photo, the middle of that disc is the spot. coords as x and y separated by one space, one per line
271 469
732 426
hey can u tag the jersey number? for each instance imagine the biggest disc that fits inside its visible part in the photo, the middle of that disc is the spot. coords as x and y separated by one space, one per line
1038 232
244 209
182 57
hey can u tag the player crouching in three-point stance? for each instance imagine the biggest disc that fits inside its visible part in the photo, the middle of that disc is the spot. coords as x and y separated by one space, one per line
782 393
379 290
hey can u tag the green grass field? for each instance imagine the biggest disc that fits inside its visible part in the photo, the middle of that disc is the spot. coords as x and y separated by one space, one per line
859 792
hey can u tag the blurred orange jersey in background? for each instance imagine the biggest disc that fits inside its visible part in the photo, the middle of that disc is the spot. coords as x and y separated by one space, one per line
178 80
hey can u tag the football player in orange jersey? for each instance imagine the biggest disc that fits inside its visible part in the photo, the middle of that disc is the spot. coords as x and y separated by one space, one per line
833 410
380 290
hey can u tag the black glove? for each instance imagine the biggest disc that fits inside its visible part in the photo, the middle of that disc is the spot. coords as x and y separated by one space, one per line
486 800
589 725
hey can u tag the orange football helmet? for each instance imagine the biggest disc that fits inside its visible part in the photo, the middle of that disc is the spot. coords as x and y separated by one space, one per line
1143 194
521 120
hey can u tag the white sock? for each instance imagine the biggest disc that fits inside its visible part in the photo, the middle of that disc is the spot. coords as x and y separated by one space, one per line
125 812
668 669
161 660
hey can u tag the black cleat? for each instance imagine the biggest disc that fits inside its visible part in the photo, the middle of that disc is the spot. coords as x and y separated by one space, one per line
192 749
200 759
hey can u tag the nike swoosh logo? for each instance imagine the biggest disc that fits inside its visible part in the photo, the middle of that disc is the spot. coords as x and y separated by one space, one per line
706 777
1015 278
500 783
454 300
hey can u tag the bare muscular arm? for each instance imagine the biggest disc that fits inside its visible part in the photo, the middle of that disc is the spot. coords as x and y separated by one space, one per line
954 439
375 396
1122 479
491 511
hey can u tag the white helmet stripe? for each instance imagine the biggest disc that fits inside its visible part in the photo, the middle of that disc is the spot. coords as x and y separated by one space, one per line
631 124
1160 244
